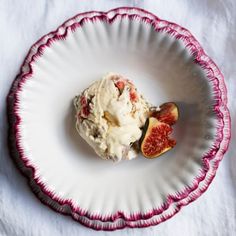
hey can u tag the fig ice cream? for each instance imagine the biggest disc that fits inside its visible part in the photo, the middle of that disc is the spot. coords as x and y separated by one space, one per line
110 115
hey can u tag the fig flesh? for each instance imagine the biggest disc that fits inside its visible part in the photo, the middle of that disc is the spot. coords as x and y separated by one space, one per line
155 139
168 113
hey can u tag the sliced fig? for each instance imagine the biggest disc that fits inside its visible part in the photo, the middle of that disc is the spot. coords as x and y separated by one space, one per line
155 139
168 113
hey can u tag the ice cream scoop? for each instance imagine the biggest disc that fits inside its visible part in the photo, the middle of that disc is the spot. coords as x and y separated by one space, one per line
110 114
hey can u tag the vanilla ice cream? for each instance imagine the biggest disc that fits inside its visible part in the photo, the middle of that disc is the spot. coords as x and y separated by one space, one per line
109 116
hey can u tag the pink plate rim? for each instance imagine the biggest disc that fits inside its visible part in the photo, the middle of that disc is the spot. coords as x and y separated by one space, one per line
219 148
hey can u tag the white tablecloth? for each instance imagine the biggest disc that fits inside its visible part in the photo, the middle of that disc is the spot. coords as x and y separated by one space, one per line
213 22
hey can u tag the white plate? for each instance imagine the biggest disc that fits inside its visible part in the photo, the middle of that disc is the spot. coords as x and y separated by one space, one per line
159 57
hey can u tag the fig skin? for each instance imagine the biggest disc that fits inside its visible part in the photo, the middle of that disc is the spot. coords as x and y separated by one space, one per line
168 113
155 139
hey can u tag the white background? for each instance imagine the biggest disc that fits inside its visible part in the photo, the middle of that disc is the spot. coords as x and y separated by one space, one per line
22 22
